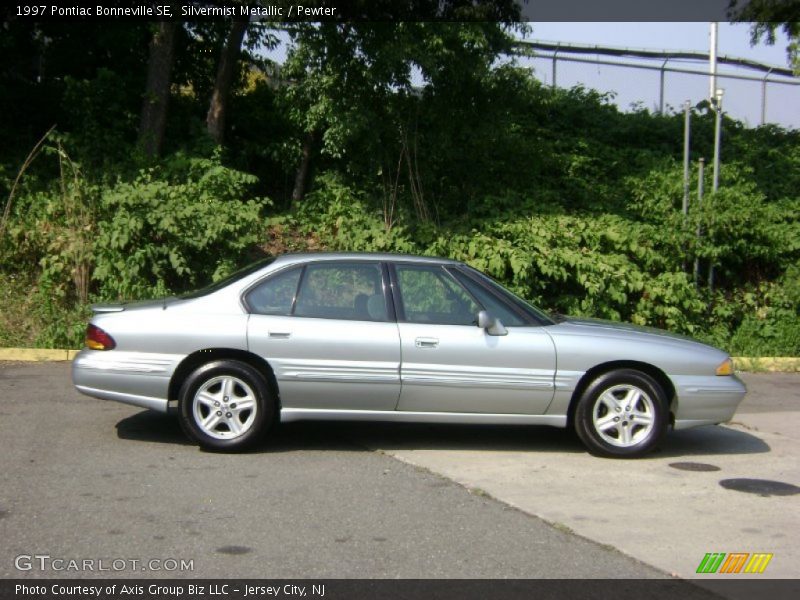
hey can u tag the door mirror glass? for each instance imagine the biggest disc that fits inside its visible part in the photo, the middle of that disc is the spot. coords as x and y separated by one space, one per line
491 324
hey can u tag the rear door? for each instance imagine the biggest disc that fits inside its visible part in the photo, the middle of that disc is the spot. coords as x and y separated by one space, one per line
330 335
451 365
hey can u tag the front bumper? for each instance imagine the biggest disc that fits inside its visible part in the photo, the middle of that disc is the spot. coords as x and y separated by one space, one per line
706 400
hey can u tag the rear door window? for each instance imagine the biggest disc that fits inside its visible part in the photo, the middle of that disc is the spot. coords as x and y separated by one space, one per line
351 291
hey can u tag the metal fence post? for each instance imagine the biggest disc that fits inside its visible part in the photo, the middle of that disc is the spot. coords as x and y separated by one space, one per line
699 231
717 144
555 58
717 137
686 133
712 61
764 98
661 88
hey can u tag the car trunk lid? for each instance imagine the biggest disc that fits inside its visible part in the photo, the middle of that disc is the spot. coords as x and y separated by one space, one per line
122 306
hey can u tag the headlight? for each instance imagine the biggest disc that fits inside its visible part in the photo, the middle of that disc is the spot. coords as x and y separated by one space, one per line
726 368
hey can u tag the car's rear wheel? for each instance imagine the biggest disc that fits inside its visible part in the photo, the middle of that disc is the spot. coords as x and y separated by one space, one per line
622 413
225 405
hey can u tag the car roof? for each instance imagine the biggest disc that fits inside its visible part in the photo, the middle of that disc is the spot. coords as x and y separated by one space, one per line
298 257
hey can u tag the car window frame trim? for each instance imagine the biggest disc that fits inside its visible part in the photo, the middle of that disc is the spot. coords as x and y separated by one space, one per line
531 318
391 316
391 290
263 279
431 267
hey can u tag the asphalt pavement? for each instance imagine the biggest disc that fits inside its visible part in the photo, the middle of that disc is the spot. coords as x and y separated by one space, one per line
89 480
86 479
724 489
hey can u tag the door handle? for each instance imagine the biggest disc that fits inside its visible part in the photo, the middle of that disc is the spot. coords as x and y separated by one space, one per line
279 335
424 342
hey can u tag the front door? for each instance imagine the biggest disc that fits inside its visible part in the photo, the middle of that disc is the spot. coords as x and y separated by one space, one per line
451 365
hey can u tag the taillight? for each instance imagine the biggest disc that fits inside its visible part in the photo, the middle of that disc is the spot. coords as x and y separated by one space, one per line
97 339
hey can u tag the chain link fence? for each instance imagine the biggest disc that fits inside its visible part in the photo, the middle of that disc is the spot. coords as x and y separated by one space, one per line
754 94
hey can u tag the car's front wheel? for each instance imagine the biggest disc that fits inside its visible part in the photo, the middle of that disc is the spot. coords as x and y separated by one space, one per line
622 413
225 405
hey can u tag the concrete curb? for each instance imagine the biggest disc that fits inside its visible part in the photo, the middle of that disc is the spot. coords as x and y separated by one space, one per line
766 364
36 354
770 364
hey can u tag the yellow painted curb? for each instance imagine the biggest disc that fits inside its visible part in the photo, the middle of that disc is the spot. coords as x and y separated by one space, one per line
35 354
785 364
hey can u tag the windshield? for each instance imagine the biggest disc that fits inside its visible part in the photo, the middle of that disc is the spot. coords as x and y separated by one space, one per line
233 277
536 313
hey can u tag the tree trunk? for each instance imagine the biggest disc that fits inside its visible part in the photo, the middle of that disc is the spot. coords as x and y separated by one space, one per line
215 120
156 95
301 178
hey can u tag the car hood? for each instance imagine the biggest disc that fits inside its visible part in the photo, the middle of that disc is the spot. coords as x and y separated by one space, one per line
618 329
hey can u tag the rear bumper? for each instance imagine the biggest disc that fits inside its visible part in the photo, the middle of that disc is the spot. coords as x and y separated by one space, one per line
157 404
129 377
707 400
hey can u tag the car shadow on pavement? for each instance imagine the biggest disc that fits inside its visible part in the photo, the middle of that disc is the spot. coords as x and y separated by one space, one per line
150 426
710 441
515 438
428 436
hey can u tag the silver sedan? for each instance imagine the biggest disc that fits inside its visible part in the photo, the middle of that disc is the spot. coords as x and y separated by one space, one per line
395 338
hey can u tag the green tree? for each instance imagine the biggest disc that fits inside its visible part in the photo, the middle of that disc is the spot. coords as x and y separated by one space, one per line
769 16
345 77
156 95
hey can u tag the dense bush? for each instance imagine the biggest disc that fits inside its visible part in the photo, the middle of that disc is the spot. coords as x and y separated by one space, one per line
170 229
570 202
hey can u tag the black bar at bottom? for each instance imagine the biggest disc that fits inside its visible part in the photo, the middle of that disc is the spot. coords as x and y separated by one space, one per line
398 589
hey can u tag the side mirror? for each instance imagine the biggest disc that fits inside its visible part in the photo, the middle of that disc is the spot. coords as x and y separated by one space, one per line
491 324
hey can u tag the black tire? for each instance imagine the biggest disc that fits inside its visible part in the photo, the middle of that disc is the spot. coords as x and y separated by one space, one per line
220 422
607 412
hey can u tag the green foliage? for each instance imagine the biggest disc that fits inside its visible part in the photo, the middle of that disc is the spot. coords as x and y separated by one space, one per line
570 202
582 264
768 317
69 242
342 220
768 17
173 229
58 324
36 315
102 118
743 234
51 229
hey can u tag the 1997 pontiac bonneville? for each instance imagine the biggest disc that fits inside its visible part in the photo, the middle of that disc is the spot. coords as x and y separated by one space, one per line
395 338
